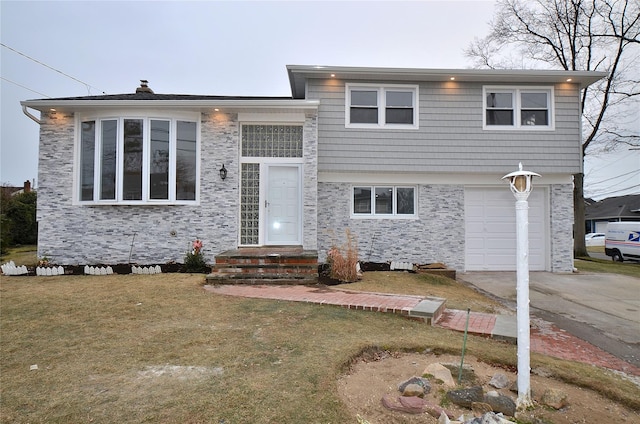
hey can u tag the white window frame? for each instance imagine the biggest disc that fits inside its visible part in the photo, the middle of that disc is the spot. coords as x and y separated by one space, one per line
373 214
381 89
146 117
516 92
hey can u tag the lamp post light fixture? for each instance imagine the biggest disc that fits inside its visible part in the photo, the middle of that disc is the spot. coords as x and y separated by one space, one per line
520 184
223 172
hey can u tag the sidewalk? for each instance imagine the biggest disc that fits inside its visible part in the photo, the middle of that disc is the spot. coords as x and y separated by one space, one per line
546 338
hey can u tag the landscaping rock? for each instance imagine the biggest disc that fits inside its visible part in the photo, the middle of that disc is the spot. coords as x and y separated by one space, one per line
489 418
480 408
440 372
468 375
413 390
423 382
413 402
466 397
555 398
394 404
499 381
501 403
435 410
413 405
443 419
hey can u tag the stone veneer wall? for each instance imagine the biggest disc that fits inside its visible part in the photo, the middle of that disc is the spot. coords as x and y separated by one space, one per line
436 236
561 219
310 183
71 234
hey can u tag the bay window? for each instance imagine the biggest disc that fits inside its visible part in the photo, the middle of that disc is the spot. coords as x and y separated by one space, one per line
138 160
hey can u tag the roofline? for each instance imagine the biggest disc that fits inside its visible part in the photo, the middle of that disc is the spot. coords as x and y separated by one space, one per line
299 73
44 105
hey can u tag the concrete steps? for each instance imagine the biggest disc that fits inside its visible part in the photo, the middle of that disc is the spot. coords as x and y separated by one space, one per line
430 309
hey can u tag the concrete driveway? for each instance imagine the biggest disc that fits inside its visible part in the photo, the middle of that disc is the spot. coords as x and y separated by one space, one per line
603 309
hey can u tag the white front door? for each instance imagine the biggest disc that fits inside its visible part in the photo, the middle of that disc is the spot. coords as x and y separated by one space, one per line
283 205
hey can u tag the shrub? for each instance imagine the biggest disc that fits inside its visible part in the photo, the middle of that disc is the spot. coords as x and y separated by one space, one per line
343 260
18 219
194 259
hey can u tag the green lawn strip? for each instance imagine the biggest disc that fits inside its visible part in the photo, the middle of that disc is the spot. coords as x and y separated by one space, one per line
21 255
589 264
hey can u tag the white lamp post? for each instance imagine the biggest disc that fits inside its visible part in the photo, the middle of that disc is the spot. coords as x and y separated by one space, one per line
520 183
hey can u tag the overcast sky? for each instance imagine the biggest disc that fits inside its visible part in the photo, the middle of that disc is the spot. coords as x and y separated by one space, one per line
223 48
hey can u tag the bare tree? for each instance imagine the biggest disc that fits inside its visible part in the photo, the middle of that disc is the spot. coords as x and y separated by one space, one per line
586 35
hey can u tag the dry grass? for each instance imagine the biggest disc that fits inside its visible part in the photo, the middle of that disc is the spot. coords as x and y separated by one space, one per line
134 348
458 295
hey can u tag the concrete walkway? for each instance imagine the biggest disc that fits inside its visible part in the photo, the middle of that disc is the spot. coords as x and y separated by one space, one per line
546 338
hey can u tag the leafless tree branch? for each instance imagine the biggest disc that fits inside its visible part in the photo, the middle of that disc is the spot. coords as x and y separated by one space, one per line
593 35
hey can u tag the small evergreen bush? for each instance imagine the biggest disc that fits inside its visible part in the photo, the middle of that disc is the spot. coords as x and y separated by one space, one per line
194 259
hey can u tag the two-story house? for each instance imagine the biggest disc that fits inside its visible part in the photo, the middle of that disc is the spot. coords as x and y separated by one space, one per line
409 160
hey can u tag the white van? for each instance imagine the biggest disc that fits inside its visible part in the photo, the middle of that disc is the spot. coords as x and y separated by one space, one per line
623 240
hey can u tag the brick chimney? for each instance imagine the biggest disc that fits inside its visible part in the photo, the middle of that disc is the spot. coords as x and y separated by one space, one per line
144 87
27 186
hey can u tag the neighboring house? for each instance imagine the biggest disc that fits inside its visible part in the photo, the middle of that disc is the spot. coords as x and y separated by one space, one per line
14 190
612 209
409 160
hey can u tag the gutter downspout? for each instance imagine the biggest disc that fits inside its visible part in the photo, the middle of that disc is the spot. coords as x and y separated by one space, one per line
30 116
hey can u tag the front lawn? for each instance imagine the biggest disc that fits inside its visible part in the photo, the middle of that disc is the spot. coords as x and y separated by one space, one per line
160 349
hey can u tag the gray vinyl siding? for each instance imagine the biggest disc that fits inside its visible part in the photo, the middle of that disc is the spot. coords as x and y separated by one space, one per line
450 137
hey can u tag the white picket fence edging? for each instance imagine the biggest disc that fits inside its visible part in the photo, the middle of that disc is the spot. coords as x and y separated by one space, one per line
10 268
49 271
146 270
97 270
407 266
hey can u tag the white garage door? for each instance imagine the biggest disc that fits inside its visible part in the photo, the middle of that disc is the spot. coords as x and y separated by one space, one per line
490 229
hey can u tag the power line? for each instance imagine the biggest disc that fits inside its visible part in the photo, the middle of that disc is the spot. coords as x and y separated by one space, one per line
88 86
618 176
607 192
617 182
26 88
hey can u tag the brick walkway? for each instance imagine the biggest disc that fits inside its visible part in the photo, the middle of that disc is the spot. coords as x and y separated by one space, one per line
377 302
457 320
546 338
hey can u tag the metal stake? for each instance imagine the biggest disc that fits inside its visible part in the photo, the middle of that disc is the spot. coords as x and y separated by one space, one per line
464 345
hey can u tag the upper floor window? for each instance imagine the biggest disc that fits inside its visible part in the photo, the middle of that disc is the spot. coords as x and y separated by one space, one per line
138 160
384 201
381 106
518 108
